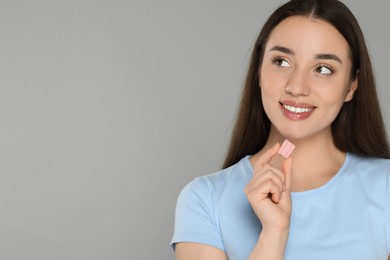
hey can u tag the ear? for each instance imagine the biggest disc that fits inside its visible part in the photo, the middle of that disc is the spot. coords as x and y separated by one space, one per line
352 88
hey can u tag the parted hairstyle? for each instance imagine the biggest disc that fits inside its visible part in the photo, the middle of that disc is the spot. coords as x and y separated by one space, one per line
359 126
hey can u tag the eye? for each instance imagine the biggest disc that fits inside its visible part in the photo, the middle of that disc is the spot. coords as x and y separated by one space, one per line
324 70
281 62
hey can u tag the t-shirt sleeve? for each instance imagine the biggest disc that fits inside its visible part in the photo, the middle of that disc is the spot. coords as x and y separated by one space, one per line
195 217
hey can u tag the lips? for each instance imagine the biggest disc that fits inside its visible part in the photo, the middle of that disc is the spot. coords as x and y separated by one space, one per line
296 111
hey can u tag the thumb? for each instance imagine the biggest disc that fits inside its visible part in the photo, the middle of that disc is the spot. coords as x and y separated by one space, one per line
268 155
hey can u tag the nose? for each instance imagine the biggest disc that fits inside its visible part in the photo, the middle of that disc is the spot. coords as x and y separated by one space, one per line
298 84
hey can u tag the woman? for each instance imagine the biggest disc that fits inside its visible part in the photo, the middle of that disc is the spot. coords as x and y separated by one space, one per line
310 81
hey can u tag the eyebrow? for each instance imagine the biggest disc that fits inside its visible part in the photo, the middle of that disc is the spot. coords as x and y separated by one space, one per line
327 56
321 56
282 49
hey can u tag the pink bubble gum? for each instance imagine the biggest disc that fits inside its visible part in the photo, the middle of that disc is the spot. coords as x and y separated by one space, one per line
286 149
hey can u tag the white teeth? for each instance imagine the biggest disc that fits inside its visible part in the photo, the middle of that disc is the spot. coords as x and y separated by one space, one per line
297 109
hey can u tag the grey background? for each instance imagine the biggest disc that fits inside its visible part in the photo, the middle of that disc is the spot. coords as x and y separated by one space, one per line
108 108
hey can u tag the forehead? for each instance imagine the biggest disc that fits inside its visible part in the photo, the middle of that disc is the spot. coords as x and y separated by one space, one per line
308 35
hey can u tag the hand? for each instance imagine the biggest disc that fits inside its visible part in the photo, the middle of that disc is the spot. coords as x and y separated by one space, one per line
269 192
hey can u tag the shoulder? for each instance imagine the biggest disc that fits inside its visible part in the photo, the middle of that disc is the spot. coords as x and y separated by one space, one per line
368 169
215 184
368 165
371 174
197 217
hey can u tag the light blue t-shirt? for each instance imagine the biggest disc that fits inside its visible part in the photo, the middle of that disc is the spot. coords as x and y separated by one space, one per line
347 218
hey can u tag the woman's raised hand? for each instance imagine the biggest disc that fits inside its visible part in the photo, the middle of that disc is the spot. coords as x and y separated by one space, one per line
269 192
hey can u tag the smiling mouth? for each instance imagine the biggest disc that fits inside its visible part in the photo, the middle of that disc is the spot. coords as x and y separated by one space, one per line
296 109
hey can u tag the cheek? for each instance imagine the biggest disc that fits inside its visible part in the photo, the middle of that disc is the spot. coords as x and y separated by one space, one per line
272 88
333 94
273 77
270 94
330 104
269 81
268 91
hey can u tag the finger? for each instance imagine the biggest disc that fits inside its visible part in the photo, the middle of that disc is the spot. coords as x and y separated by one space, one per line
275 191
276 197
268 155
270 173
287 169
262 191
269 168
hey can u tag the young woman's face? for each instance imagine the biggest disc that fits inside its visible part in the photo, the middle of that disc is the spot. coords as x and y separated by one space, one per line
305 77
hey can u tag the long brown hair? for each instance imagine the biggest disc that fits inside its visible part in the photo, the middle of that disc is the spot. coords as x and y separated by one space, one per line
359 126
